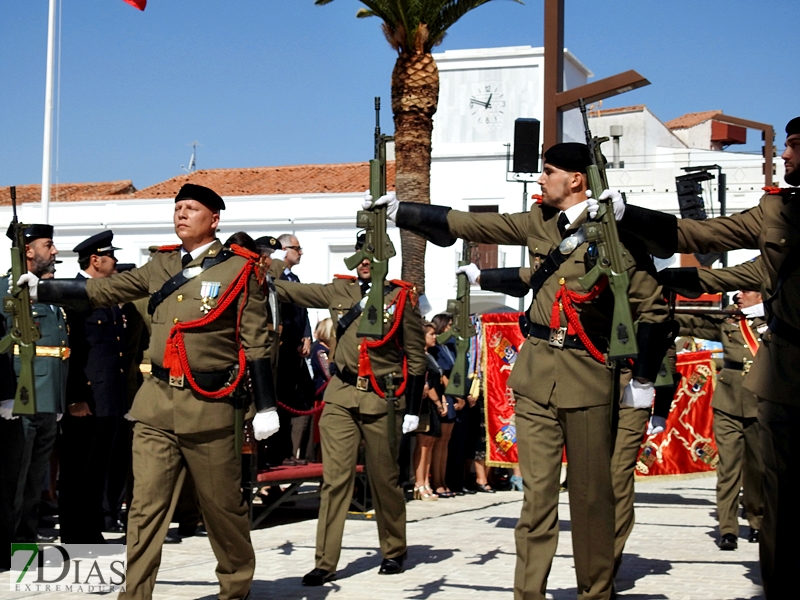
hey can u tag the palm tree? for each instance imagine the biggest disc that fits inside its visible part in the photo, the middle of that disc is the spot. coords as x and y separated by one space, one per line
413 28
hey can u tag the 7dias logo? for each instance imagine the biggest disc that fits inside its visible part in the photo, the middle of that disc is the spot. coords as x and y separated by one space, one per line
81 568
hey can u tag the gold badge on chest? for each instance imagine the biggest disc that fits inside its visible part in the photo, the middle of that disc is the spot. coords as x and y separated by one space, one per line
209 292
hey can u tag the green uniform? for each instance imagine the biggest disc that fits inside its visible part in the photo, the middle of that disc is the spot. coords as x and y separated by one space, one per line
773 227
735 419
564 397
179 429
351 415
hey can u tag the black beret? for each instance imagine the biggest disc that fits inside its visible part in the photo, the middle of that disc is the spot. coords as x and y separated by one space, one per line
793 126
570 156
268 242
202 194
361 237
99 244
122 267
33 232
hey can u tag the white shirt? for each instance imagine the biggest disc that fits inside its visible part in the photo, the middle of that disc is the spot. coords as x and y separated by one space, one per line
85 274
197 251
573 212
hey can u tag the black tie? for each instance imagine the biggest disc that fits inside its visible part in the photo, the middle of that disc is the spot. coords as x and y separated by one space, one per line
364 287
563 223
186 259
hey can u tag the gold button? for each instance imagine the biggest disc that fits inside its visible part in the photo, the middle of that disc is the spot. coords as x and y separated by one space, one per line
783 240
99 322
117 338
121 370
561 281
120 353
180 297
175 320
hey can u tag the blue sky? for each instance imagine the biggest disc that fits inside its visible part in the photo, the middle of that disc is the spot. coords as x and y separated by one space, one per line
276 82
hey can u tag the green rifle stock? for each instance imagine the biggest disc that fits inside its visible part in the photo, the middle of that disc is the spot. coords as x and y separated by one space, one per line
24 331
461 329
613 259
378 247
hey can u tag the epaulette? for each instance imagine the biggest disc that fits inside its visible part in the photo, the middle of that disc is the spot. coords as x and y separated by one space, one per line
348 277
168 248
772 190
537 198
243 252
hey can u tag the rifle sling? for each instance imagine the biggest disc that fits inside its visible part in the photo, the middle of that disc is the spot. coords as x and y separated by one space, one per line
183 277
354 312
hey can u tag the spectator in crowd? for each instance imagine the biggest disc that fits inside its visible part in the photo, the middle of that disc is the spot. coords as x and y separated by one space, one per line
433 402
321 352
445 356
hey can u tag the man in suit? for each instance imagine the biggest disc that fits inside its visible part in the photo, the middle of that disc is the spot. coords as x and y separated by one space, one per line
32 437
561 380
205 335
356 410
773 227
93 469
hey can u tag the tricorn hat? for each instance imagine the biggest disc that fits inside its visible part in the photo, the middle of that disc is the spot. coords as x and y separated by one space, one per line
33 232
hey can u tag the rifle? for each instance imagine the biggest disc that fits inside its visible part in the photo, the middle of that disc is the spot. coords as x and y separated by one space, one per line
613 259
378 247
24 331
461 329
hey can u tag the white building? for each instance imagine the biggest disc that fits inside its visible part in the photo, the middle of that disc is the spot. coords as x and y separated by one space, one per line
482 92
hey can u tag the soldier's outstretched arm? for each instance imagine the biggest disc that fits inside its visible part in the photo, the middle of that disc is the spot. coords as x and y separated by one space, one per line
706 327
307 295
85 294
691 281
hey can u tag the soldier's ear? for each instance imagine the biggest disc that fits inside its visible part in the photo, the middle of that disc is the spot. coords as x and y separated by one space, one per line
29 251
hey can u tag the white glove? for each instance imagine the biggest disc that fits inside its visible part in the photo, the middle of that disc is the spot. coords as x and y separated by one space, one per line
638 395
59 416
656 424
33 284
410 423
129 417
617 203
278 254
7 409
265 424
751 312
471 271
389 200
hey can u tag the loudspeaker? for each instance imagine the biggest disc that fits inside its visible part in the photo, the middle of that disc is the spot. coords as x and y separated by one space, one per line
526 146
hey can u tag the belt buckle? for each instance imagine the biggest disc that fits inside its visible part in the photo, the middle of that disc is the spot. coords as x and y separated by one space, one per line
362 384
557 337
63 353
746 367
176 382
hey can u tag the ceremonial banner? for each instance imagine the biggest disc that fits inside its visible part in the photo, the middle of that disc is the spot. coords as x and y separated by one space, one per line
501 340
687 443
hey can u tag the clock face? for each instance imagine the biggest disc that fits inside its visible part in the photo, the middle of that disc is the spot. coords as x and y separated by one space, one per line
487 104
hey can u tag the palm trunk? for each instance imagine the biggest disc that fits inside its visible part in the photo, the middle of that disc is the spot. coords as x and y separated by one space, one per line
415 95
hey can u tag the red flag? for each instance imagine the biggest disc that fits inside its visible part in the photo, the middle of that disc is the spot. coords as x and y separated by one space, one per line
140 4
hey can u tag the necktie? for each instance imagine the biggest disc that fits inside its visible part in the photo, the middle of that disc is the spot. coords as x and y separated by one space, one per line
563 223
364 287
186 259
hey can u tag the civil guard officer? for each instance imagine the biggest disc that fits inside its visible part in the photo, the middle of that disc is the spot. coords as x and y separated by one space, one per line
562 381
356 410
209 329
32 437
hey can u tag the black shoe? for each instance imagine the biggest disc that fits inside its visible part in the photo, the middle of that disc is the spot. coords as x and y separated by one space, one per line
484 488
172 539
317 577
45 539
728 542
115 527
392 566
753 536
469 491
187 530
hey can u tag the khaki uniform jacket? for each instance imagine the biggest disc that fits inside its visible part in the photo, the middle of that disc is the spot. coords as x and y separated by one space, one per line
213 348
774 228
581 380
339 297
729 395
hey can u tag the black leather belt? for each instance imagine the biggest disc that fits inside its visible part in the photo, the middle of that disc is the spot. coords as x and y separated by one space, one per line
732 364
558 338
363 384
205 381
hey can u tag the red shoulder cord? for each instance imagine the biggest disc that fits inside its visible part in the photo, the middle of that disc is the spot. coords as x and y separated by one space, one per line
364 366
175 358
566 300
772 190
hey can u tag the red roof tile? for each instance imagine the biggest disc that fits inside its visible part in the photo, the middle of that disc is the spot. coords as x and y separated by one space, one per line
71 192
616 111
691 119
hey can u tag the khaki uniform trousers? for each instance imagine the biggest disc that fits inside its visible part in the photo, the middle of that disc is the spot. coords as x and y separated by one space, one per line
341 432
160 461
542 432
630 432
739 467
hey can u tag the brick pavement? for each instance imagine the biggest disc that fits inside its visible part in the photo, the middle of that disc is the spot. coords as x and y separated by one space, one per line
463 548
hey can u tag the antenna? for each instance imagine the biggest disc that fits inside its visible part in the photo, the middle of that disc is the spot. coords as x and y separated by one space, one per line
192 159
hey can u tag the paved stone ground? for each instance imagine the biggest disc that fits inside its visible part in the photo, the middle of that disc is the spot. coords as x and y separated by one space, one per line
463 548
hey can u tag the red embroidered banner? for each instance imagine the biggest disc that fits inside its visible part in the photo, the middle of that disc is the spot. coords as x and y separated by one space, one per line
501 340
687 444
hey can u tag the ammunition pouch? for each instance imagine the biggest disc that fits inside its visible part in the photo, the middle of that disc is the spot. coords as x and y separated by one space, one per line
683 280
653 339
504 281
427 220
65 292
263 383
657 230
414 390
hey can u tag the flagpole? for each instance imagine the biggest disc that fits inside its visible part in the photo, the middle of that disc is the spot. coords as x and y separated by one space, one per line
48 113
